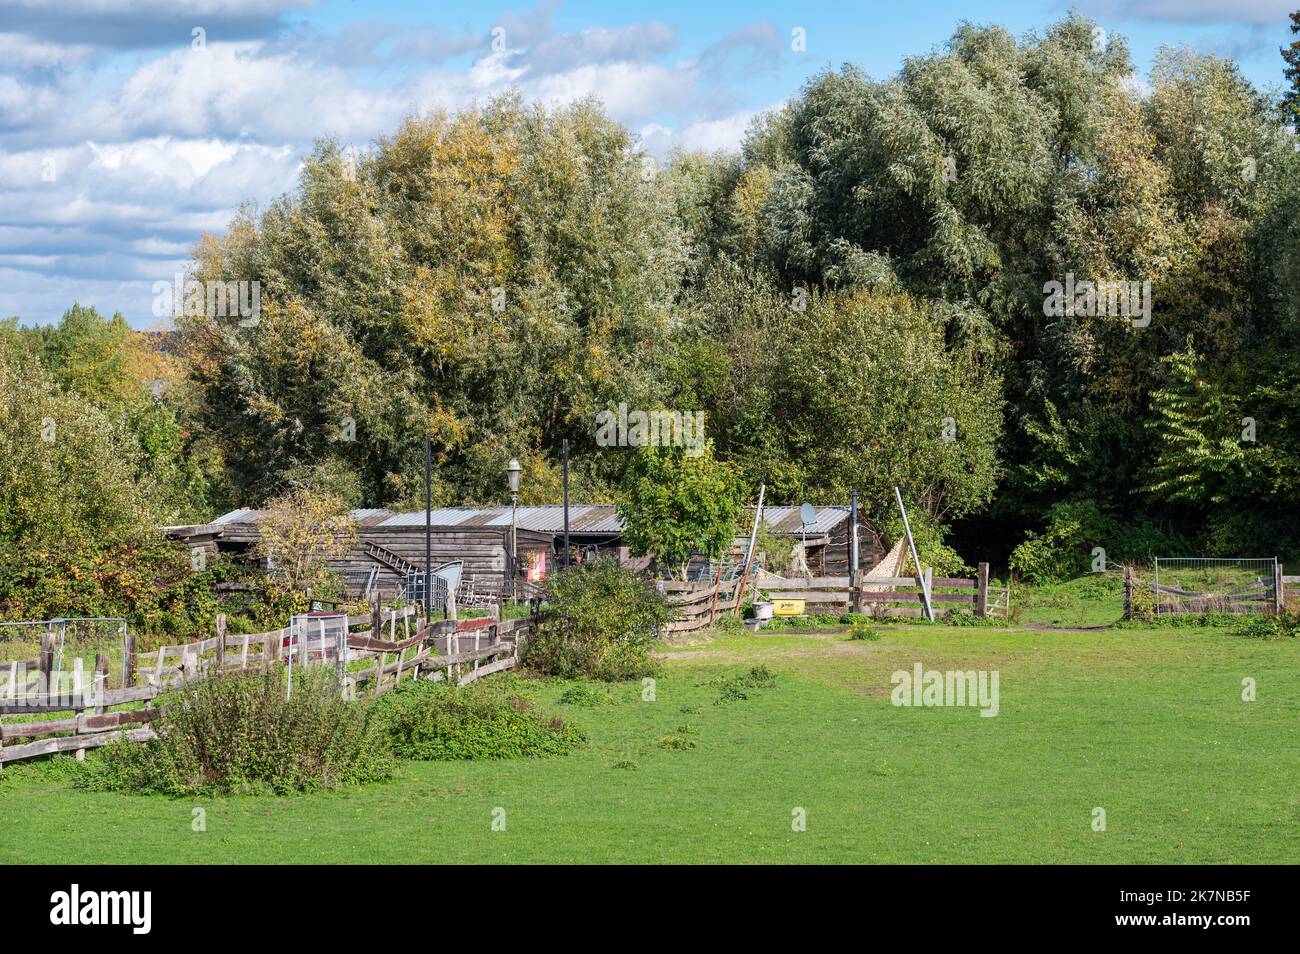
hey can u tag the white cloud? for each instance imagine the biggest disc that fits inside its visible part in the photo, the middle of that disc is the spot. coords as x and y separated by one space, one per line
1272 12
630 91
153 150
17 51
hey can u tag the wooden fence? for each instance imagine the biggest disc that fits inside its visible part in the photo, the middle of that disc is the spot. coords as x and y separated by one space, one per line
365 664
699 605
1260 596
886 596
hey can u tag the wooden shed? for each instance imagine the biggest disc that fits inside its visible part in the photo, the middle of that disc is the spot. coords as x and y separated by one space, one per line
390 545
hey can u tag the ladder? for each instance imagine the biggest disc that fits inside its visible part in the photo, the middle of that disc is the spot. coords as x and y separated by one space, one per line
394 561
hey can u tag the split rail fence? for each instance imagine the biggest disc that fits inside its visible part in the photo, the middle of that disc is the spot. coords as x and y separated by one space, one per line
86 711
700 605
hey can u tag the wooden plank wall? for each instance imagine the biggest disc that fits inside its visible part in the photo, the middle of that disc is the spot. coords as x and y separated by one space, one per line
482 550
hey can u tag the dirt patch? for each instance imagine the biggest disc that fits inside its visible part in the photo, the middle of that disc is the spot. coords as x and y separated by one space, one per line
1047 628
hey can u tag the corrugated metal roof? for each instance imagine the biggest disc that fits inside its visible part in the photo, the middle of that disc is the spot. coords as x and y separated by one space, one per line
440 517
242 515
786 519
364 516
549 518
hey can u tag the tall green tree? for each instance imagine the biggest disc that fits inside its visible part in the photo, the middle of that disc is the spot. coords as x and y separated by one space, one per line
675 504
1291 54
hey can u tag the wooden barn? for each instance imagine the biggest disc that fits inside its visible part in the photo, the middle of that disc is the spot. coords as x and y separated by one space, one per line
390 545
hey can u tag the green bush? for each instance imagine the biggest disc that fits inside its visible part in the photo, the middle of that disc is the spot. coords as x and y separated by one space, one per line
147 580
965 617
1256 626
485 720
928 535
735 688
600 621
238 733
586 695
1063 549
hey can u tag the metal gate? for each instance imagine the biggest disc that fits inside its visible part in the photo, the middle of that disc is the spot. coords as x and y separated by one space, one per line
1216 585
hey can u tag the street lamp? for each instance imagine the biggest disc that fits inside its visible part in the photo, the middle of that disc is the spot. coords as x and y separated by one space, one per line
512 474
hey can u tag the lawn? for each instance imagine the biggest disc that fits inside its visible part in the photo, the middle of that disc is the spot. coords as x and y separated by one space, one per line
1092 600
1147 724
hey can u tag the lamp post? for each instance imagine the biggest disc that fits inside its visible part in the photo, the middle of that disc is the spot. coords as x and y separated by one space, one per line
428 528
566 501
512 474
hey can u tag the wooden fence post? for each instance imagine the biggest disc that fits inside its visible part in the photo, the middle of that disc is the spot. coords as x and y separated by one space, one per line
982 591
270 651
1277 587
376 616
855 593
45 663
1128 592
128 661
341 659
221 642
101 680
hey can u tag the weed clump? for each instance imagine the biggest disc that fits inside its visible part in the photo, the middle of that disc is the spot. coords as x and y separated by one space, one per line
485 720
736 688
241 732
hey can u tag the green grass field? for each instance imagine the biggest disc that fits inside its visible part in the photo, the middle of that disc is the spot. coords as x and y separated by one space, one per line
1148 724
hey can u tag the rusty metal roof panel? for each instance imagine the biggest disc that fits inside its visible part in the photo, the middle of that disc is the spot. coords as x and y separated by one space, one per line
371 517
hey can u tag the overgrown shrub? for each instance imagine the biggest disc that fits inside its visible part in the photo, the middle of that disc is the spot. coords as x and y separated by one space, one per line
1256 626
238 732
965 617
485 720
600 622
146 580
586 695
928 535
1063 549
736 688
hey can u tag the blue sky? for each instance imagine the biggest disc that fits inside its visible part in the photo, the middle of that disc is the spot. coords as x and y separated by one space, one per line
123 138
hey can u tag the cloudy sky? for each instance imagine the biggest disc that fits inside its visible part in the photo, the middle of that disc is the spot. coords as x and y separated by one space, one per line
130 127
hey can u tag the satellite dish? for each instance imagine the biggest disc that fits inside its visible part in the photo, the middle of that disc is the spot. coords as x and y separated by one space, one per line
807 514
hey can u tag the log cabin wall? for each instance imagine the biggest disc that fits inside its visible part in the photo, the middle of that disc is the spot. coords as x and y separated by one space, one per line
834 557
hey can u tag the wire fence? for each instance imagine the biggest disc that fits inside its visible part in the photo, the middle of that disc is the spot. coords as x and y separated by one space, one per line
75 638
1215 585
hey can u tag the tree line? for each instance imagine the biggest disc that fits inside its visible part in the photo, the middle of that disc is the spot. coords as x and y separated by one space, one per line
866 294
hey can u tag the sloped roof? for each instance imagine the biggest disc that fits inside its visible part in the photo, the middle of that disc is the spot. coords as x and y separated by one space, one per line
549 518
